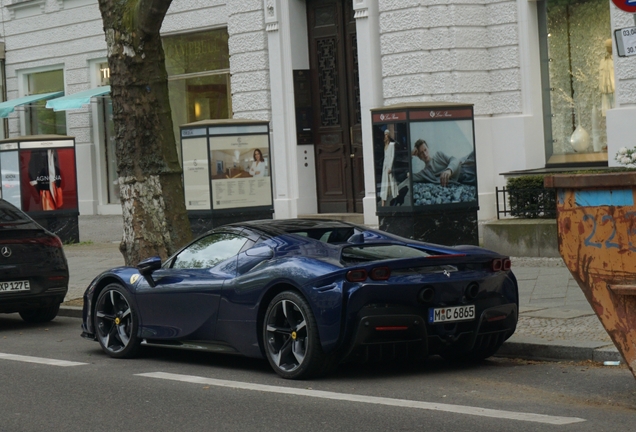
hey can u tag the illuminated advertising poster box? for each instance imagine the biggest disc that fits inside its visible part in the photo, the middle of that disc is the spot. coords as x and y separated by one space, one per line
425 171
39 176
226 172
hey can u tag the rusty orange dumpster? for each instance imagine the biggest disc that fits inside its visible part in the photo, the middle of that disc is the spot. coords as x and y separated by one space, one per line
596 226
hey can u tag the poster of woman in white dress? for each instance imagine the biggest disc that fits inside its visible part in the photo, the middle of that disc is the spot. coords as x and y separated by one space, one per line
391 163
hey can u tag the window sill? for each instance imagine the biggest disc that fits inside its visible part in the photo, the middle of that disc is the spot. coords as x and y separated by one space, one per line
17 5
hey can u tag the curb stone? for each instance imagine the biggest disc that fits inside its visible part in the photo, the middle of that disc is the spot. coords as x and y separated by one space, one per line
70 311
538 349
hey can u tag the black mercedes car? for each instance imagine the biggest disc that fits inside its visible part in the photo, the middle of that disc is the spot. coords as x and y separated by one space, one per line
33 268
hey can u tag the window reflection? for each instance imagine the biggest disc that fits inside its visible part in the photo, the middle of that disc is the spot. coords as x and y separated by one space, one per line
199 98
210 251
41 120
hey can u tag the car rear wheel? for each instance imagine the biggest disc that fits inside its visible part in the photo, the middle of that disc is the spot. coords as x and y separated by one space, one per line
290 334
116 322
40 315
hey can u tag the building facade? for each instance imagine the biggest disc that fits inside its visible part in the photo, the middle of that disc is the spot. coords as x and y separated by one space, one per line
547 87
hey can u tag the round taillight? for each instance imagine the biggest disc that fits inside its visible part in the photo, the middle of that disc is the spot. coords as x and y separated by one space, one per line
380 273
506 264
496 265
359 275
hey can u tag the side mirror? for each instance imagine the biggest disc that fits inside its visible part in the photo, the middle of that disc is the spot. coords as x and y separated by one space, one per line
260 251
356 238
147 266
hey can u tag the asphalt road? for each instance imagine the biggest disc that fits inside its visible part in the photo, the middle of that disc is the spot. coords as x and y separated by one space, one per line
168 390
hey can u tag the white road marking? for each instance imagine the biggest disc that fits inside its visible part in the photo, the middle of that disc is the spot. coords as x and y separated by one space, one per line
404 403
39 360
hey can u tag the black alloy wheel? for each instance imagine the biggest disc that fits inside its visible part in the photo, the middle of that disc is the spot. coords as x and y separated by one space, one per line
116 322
290 335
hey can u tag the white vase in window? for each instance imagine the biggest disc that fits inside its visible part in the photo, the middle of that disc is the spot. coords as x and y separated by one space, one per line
580 139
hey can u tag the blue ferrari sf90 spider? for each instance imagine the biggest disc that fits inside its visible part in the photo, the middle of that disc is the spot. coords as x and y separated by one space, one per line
307 295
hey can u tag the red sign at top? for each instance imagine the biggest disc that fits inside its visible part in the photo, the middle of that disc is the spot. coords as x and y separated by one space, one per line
626 5
389 116
443 114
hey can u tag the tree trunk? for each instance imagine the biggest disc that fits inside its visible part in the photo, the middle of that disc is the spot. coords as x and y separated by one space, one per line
152 198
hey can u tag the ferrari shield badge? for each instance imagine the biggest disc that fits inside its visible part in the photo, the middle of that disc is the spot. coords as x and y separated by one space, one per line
134 278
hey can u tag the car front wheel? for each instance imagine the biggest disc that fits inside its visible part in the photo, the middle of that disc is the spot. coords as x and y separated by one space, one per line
116 322
290 335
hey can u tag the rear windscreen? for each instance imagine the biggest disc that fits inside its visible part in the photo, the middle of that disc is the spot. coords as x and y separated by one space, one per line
359 254
11 215
328 235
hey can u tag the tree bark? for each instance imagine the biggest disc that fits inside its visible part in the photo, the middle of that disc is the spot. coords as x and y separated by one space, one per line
151 189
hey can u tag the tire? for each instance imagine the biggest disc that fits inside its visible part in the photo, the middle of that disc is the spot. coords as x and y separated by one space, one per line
40 315
290 336
116 322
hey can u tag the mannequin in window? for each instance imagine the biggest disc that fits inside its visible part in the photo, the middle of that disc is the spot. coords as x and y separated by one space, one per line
388 187
45 177
606 79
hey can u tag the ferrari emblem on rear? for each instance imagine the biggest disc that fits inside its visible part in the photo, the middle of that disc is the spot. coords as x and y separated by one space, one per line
134 278
446 273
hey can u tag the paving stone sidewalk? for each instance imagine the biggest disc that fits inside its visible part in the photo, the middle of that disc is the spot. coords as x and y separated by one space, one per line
556 321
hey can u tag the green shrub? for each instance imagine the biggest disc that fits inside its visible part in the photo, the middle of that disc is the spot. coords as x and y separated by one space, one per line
529 199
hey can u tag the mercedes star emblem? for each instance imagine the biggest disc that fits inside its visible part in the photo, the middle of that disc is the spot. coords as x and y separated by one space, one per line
5 251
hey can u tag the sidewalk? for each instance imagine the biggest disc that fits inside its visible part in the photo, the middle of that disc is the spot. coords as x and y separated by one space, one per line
556 322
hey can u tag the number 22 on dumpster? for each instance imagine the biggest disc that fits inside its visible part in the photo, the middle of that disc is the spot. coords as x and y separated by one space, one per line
628 222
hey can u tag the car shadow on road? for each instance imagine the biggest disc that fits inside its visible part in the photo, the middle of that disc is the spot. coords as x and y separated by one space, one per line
433 365
355 371
202 358
13 322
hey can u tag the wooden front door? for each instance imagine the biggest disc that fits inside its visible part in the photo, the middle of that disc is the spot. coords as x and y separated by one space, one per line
336 105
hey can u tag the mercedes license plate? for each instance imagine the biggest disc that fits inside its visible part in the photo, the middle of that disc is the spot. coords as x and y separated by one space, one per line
451 314
15 286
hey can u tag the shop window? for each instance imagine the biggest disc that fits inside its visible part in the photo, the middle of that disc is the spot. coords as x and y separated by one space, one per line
200 98
112 178
198 67
3 86
39 119
578 79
